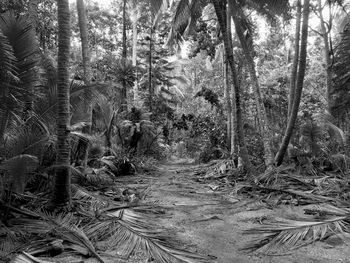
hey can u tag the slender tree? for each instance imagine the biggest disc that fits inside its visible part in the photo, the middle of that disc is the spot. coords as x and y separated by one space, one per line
239 17
124 105
294 71
327 52
85 50
299 85
134 16
220 10
61 192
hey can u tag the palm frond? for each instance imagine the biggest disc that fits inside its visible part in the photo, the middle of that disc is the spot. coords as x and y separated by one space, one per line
65 226
130 232
7 58
27 258
268 8
91 200
286 234
185 18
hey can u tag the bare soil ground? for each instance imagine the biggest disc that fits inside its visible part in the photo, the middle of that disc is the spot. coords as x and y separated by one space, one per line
213 221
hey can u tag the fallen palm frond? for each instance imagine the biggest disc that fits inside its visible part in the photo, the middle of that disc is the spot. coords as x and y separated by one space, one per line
88 199
27 258
130 231
286 234
66 226
123 228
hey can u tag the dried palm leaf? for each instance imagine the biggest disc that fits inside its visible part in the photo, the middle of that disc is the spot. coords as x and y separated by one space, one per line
286 234
130 232
27 258
65 226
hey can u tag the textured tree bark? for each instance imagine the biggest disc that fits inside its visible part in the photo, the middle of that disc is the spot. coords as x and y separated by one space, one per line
227 87
261 111
85 50
134 51
124 106
150 86
299 85
242 149
327 57
61 193
294 71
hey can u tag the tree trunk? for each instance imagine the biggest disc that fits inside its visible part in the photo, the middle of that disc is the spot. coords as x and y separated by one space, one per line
124 105
134 53
61 193
84 40
150 86
261 111
85 50
242 149
327 58
228 102
294 71
299 85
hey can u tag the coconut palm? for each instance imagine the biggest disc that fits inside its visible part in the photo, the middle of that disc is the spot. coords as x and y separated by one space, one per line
61 193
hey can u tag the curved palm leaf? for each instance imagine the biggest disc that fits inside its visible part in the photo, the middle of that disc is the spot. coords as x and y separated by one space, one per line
286 234
27 258
131 231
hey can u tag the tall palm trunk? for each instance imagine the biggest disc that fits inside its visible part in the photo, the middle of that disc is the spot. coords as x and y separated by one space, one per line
134 49
61 192
242 149
227 86
124 106
294 71
228 101
150 86
82 20
299 85
84 40
327 57
261 111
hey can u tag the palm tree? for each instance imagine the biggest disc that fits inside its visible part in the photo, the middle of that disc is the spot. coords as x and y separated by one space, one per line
220 10
293 74
61 193
240 21
86 64
299 85
124 106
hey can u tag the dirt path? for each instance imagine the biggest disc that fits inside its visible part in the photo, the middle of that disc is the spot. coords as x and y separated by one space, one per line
213 221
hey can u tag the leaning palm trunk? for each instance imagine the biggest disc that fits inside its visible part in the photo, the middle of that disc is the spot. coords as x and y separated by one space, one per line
266 133
299 85
294 71
242 149
61 192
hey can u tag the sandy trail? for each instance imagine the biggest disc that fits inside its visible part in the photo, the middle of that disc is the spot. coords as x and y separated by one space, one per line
213 221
